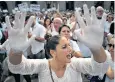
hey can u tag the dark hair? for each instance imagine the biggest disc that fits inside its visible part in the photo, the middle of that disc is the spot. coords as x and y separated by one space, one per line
111 30
3 19
27 17
111 15
46 20
52 43
60 28
72 15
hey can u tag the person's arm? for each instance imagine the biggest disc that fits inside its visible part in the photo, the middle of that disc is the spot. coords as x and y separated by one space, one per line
90 66
100 55
110 73
92 37
59 14
3 46
74 27
77 54
109 37
18 37
15 58
17 63
40 39
76 51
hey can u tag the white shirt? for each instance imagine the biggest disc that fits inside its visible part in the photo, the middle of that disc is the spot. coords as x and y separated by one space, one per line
74 45
72 73
54 32
107 26
40 31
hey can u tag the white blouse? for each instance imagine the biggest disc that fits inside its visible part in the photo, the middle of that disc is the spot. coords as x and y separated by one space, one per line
72 73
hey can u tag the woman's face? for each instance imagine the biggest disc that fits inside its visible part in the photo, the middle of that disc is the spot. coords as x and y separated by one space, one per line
63 51
110 18
65 31
48 22
111 46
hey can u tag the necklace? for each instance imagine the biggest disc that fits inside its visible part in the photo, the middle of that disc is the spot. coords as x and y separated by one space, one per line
50 71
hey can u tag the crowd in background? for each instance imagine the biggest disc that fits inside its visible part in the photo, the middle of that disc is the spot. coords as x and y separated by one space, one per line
48 24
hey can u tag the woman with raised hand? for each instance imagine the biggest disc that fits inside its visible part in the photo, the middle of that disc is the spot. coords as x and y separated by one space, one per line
61 67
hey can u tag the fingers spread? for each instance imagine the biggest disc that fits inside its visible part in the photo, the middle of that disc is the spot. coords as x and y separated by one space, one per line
17 20
29 23
79 37
103 20
93 15
80 19
87 14
8 23
22 19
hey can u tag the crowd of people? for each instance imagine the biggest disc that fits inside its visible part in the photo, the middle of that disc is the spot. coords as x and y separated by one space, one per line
59 46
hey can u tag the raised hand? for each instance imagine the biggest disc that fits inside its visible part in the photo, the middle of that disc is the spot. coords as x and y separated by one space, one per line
18 34
92 30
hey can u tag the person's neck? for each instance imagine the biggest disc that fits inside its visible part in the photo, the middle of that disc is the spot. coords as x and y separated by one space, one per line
57 65
109 21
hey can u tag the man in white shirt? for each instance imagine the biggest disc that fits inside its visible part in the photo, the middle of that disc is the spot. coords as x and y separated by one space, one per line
57 22
37 45
100 12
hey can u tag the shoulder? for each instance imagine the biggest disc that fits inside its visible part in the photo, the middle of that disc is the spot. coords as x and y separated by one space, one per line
73 42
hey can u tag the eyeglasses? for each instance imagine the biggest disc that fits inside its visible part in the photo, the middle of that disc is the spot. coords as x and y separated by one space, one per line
111 45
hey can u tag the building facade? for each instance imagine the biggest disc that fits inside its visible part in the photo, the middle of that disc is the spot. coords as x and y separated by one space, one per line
61 5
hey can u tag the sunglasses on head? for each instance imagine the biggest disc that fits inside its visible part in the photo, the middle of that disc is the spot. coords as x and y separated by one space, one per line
111 45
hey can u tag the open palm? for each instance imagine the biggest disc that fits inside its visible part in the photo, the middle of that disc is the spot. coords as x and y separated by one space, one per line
92 30
18 39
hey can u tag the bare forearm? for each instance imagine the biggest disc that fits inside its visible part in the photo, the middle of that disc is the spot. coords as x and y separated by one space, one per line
77 54
100 55
40 39
15 58
110 73
74 27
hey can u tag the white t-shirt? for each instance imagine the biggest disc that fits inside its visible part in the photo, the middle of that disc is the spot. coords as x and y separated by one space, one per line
40 31
72 73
